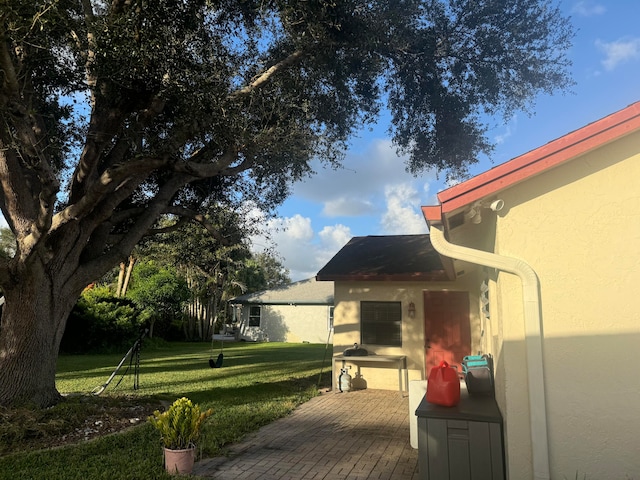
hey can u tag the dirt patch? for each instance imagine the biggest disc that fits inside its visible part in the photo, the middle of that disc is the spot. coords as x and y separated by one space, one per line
75 420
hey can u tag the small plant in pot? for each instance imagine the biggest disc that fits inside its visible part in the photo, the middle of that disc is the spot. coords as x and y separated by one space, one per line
179 429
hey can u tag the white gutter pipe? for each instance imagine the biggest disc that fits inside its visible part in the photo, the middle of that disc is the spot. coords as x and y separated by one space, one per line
533 337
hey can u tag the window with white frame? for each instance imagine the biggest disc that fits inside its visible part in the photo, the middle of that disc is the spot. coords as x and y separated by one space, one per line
381 323
255 313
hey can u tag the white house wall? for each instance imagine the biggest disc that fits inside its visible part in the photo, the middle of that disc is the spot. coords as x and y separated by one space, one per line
288 323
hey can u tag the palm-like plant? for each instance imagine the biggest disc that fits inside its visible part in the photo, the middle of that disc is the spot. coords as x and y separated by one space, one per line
179 426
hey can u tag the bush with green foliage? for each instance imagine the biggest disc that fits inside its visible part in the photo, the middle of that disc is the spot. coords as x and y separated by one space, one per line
101 322
160 294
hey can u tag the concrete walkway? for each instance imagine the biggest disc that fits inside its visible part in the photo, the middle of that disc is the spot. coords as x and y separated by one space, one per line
335 436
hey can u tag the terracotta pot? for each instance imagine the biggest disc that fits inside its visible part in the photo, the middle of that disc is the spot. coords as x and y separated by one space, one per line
179 461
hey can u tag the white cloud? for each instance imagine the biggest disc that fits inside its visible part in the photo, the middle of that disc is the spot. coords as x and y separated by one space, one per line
355 190
348 206
335 237
303 251
619 52
304 260
332 238
402 216
295 228
588 9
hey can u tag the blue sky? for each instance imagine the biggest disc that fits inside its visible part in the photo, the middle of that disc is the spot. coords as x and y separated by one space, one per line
373 195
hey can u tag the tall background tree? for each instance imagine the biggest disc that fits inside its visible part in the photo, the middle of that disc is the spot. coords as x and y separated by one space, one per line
116 112
215 271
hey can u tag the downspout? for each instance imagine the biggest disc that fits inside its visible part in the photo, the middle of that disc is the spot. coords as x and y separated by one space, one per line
533 338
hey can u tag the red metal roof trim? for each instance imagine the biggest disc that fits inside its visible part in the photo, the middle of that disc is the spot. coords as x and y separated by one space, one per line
537 161
432 214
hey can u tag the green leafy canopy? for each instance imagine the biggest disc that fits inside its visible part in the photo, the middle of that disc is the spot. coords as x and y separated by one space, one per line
117 113
142 107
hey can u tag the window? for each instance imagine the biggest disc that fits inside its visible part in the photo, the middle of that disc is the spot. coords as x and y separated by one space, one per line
381 323
331 317
254 316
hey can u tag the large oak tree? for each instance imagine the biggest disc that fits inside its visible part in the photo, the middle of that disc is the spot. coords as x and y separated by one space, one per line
117 112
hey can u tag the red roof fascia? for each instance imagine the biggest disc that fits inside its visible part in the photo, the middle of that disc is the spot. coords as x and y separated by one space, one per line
432 213
539 160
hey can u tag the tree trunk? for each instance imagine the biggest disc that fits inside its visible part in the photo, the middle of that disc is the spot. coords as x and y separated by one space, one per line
127 278
28 361
120 279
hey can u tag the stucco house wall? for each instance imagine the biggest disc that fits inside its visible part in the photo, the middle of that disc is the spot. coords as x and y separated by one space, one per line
348 296
288 323
297 312
577 224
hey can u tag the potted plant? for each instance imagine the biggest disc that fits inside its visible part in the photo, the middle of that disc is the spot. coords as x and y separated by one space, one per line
179 429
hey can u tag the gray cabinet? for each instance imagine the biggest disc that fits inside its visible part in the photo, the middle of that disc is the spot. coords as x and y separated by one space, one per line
462 442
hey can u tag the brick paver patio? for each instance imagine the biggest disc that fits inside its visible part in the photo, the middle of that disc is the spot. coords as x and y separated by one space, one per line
335 436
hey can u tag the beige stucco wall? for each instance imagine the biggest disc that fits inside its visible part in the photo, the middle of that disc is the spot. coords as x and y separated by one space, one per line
578 226
348 296
289 323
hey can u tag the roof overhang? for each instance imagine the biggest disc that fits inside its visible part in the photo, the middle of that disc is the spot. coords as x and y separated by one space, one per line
446 274
535 162
329 303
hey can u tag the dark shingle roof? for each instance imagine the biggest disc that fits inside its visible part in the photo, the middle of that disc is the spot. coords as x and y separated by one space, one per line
391 257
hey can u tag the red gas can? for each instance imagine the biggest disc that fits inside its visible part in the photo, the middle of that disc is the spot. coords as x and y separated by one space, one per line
443 385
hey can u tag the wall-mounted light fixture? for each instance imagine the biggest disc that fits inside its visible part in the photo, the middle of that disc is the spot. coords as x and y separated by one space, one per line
474 214
411 310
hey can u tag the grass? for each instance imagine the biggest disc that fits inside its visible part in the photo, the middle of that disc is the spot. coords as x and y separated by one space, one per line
257 384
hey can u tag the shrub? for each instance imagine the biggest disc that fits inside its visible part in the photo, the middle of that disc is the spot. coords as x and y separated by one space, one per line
101 322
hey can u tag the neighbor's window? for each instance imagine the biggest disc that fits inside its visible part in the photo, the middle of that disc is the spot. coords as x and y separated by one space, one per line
254 316
381 323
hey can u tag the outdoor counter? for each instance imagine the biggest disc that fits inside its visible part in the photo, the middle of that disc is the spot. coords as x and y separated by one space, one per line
399 360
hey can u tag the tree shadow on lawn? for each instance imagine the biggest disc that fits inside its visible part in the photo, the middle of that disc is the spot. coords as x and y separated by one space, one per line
215 382
175 371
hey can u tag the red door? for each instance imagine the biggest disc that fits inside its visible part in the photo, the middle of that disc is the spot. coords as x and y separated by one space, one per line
447 331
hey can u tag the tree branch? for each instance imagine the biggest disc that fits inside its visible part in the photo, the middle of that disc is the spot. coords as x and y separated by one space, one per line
264 77
90 56
110 181
141 226
201 219
6 64
27 173
197 168
171 228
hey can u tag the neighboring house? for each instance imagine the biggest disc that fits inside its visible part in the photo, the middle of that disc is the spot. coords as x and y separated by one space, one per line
543 253
298 312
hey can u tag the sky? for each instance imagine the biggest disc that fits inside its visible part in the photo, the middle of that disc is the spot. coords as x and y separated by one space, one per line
374 195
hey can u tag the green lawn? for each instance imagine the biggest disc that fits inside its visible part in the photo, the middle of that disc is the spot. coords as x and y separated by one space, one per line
258 383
